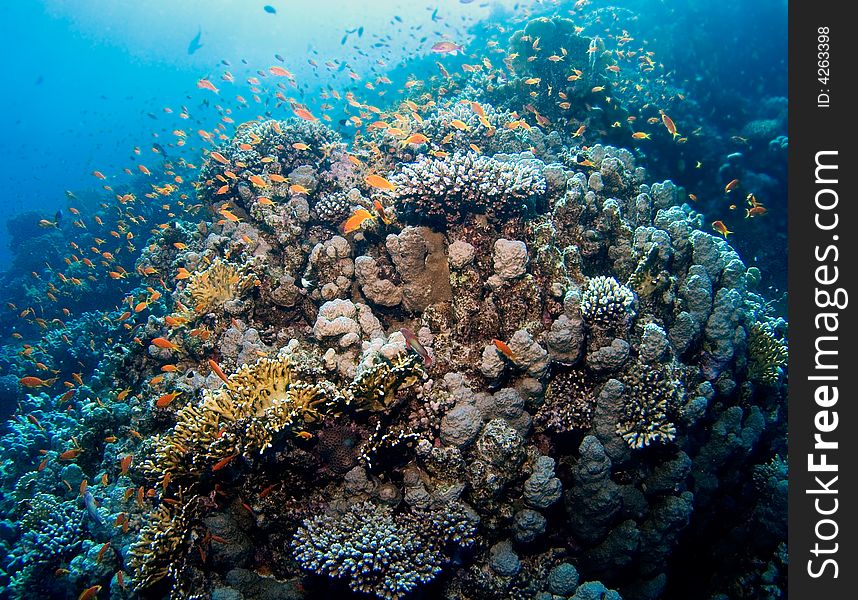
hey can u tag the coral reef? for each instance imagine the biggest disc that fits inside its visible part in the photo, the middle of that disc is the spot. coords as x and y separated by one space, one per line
460 356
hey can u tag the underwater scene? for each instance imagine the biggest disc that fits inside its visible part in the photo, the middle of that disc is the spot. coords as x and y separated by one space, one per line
395 299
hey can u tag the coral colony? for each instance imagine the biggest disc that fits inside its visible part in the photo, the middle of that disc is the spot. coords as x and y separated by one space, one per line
517 371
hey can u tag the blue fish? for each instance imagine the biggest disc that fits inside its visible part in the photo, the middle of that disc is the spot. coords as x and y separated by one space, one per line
269 9
195 43
91 508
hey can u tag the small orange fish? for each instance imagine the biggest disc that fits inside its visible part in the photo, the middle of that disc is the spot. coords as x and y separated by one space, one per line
503 348
354 222
731 186
205 84
300 146
721 228
219 157
89 593
219 372
165 400
756 211
35 382
101 552
379 182
640 135
125 463
305 114
223 462
160 342
298 189
70 454
669 124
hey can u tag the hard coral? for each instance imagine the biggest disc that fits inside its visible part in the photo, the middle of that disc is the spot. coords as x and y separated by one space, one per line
380 553
439 190
767 355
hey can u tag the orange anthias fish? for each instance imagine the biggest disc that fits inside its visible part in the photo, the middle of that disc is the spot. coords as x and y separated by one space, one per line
205 84
160 342
354 222
731 186
377 181
165 400
447 48
721 228
124 464
223 462
219 372
219 157
35 382
669 124
305 114
89 593
503 348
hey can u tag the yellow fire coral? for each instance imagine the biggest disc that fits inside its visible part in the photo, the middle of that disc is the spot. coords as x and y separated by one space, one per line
162 542
260 400
243 418
219 283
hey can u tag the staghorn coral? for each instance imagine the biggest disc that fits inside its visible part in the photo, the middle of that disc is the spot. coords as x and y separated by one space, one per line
219 283
767 355
380 553
439 190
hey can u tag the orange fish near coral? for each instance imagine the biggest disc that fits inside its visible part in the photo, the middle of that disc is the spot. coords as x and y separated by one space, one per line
165 400
503 348
205 84
354 222
721 228
160 342
305 114
124 464
89 593
223 462
219 372
731 186
412 342
669 124
377 181
35 382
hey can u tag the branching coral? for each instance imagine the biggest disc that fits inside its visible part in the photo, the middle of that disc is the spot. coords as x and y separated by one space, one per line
767 355
51 533
605 301
380 553
163 543
439 190
217 285
569 403
651 401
